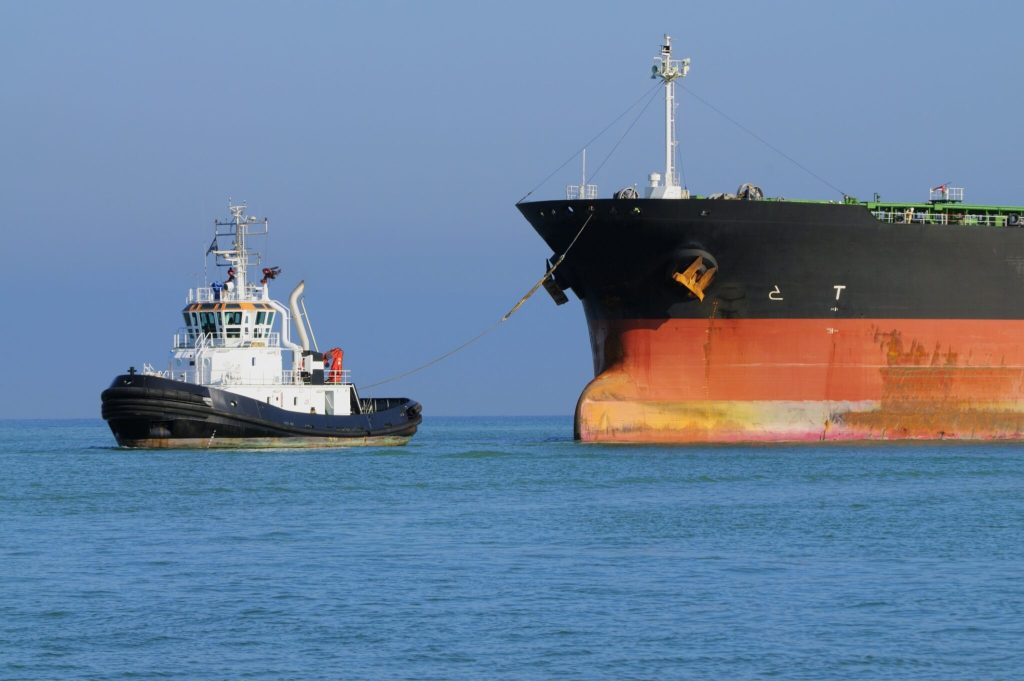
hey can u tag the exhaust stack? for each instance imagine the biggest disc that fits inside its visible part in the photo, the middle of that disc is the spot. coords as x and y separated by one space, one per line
293 305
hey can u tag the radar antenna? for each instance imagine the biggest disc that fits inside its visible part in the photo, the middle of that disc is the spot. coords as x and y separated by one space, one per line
237 256
668 70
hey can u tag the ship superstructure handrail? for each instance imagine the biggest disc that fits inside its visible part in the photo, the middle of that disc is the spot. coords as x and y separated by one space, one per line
207 294
281 378
185 340
287 377
946 194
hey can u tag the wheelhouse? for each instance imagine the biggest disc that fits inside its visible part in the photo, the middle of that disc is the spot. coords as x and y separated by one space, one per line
229 321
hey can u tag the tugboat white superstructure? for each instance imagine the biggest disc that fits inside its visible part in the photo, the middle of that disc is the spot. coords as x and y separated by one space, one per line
229 384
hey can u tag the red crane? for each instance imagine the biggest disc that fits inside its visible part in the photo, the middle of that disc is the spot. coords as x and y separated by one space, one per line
335 355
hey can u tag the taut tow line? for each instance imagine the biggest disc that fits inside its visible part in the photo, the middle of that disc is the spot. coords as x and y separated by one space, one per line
551 270
495 325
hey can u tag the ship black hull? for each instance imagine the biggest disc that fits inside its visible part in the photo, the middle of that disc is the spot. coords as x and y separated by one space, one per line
820 323
153 412
622 264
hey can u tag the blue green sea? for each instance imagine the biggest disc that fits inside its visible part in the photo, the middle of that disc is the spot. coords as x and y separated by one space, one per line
498 548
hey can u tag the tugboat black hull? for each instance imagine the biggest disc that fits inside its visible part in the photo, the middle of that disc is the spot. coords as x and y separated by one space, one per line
151 412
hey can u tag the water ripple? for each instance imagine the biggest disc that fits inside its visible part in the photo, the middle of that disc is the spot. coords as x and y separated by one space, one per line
498 548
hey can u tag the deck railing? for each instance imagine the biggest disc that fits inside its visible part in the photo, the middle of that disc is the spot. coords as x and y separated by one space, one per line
575 192
149 370
207 294
912 216
944 193
184 340
288 377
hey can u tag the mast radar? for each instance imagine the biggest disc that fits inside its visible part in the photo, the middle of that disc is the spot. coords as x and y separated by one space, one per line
668 70
231 249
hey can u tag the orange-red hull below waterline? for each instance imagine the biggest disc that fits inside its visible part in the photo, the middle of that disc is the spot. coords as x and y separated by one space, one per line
788 380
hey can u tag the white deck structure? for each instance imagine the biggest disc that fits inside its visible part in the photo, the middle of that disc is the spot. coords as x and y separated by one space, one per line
229 341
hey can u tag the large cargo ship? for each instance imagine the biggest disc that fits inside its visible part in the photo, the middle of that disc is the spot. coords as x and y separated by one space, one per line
741 318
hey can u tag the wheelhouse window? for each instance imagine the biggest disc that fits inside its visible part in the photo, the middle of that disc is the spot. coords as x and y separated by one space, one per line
231 323
208 321
258 330
191 328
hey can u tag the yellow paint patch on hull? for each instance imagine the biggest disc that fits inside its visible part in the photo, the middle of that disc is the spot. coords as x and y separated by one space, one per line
611 409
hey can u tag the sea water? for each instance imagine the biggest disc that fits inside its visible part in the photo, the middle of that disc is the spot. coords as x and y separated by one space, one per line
501 549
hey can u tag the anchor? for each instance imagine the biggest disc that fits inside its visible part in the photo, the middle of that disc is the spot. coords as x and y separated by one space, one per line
695 280
553 287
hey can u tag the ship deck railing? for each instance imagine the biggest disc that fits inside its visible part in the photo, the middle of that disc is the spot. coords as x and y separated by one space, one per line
230 378
207 294
576 192
372 405
950 216
149 370
184 340
284 378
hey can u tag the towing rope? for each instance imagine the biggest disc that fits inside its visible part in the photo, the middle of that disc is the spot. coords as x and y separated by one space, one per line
495 325
547 274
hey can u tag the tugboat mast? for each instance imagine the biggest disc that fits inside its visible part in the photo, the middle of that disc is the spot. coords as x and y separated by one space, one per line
237 257
668 70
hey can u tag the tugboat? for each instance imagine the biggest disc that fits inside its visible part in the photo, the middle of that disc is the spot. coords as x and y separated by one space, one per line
227 384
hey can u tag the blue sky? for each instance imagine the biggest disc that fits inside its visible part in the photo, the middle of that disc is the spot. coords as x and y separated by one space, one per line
388 142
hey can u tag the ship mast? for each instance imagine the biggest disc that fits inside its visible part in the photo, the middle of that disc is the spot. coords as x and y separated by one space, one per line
238 257
668 70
